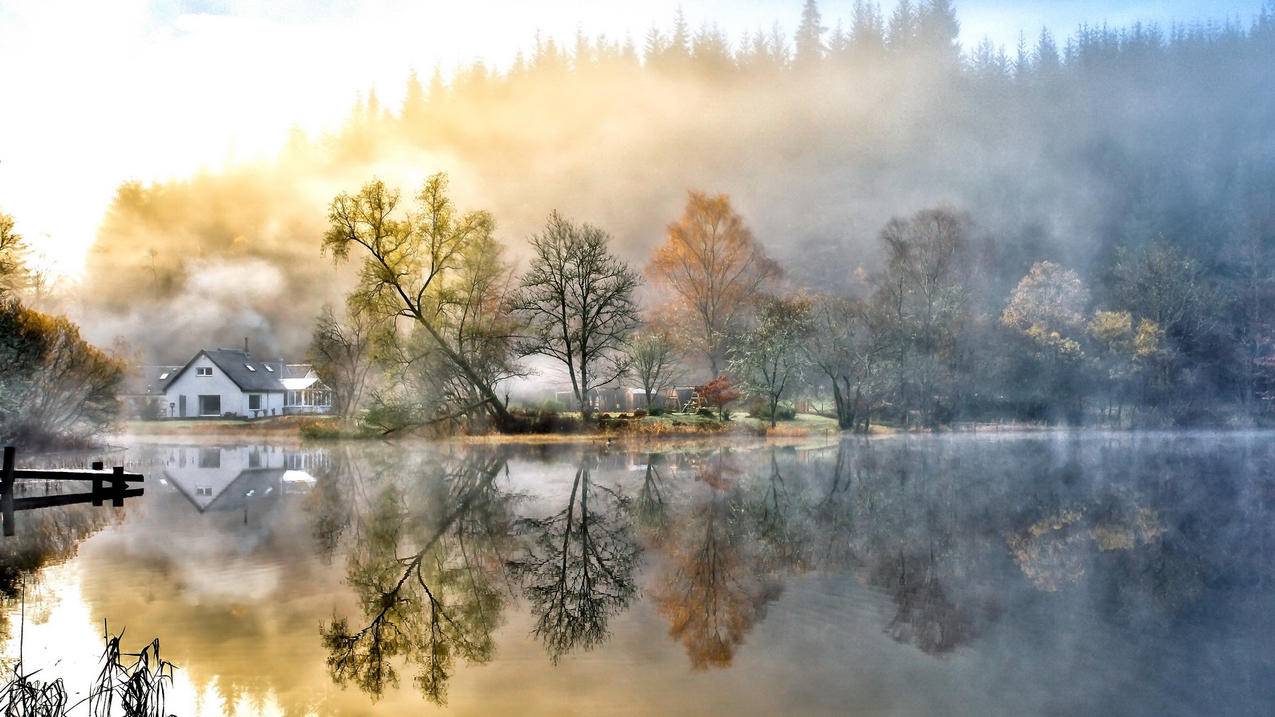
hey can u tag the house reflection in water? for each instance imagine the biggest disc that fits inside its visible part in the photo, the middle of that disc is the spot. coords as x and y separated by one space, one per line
233 478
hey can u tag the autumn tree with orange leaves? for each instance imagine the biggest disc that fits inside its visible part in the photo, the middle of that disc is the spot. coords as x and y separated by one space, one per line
715 269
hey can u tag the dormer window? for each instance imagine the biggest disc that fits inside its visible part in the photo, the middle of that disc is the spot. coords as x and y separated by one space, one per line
249 367
203 370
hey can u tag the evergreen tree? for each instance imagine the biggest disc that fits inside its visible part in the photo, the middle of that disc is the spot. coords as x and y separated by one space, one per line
679 48
938 29
414 103
838 42
867 29
903 26
437 88
655 46
1047 60
809 38
1022 60
711 50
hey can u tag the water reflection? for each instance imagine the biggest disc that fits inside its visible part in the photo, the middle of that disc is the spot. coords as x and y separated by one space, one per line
577 565
424 581
1129 563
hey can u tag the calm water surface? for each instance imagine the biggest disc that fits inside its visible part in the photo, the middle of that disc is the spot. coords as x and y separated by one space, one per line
1045 574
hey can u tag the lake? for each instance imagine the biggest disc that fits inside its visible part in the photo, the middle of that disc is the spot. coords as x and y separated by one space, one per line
960 574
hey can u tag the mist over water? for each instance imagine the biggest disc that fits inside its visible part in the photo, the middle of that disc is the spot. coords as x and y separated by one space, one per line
1066 573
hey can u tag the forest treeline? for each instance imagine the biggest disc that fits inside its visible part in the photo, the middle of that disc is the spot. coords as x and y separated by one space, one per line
1064 149
440 323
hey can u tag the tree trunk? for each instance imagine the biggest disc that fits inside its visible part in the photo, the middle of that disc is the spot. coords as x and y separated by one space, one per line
845 419
504 420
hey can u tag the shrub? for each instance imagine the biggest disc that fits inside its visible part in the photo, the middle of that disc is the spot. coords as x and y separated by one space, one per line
782 412
53 383
315 429
551 405
639 413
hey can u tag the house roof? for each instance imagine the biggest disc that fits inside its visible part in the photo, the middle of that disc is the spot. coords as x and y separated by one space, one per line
247 486
297 370
262 376
149 380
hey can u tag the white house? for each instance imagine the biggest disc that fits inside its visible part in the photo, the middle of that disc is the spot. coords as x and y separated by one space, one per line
230 382
216 478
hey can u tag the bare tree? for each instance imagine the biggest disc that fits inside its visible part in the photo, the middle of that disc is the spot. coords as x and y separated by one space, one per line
578 300
577 568
847 347
412 269
654 361
717 270
925 291
341 350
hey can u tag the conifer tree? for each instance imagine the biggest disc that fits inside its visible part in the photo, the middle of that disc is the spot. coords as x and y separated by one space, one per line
809 37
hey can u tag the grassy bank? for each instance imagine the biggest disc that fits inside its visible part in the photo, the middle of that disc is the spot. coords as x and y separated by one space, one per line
608 426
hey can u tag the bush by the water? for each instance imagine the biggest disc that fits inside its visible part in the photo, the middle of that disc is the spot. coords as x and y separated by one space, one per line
782 413
54 385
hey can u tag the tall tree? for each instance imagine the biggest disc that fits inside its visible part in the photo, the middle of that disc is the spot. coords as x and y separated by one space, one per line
410 267
867 30
809 37
579 302
341 349
924 289
938 30
415 102
716 269
770 358
847 346
1047 308
577 568
902 30
654 362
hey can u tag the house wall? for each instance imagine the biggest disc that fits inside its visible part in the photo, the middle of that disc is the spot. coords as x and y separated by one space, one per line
233 400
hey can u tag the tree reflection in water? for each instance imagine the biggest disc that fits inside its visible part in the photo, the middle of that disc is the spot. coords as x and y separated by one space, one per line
716 586
577 566
439 602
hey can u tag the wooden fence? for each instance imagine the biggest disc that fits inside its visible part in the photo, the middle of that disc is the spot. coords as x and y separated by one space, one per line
107 484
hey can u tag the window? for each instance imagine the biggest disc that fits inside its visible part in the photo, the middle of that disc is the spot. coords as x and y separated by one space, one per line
270 368
210 405
249 367
210 458
163 376
254 402
203 490
203 370
254 459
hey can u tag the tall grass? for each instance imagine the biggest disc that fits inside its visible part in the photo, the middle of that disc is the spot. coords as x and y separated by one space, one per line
128 684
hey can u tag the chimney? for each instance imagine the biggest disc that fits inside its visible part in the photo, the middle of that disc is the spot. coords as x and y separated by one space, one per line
245 346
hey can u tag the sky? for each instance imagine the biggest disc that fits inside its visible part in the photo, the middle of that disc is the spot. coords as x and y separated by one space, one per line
97 93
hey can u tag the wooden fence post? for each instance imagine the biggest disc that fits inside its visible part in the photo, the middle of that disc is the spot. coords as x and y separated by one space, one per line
99 488
6 490
117 486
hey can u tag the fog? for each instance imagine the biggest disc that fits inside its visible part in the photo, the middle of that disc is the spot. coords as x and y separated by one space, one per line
1059 150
